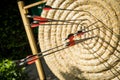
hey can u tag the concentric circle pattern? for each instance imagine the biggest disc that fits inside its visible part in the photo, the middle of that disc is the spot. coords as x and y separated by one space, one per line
95 59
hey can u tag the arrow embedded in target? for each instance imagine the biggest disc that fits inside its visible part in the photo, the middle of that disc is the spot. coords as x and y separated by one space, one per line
47 8
32 58
42 19
38 20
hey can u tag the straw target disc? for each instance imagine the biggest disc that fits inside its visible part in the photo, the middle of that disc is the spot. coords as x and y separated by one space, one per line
95 59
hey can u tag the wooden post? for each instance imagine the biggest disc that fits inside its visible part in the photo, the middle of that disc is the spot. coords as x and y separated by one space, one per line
31 38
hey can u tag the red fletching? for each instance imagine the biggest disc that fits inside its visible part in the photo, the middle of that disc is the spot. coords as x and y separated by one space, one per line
72 43
47 9
43 22
34 25
70 37
39 18
71 40
32 59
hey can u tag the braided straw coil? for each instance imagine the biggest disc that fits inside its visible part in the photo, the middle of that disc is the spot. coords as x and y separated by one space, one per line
94 59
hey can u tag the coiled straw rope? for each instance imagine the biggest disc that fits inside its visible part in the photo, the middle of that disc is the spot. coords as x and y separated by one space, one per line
95 59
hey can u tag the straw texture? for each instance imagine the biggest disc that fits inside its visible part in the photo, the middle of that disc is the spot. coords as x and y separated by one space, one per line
94 59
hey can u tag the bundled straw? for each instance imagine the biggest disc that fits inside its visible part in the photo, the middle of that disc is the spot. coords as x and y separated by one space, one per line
95 59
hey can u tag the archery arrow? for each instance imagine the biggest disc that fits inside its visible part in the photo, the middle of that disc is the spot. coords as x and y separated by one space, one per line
40 20
42 23
32 58
71 37
37 18
47 8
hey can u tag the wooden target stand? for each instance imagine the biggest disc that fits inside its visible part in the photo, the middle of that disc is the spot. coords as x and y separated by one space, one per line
23 11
